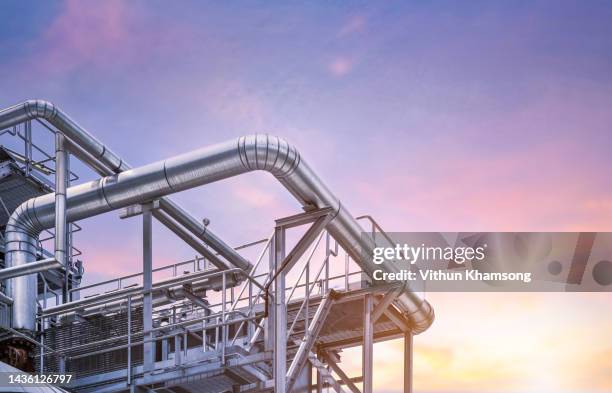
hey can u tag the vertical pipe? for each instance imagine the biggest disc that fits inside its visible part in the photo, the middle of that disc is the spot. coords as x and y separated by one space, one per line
185 345
28 146
147 277
408 362
61 162
368 346
69 228
45 291
164 349
280 315
177 350
217 320
177 341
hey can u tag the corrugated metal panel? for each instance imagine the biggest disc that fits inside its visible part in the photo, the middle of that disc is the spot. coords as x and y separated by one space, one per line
91 329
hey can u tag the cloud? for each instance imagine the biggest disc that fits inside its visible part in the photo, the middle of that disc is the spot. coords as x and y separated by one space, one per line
354 24
82 34
254 196
113 35
340 66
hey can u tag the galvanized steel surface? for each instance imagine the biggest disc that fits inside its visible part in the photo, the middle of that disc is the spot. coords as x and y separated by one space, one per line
203 166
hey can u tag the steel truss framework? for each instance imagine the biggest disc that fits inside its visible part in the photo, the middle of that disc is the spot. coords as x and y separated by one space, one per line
278 324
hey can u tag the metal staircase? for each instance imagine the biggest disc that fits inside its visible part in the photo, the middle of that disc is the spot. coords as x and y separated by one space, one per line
217 336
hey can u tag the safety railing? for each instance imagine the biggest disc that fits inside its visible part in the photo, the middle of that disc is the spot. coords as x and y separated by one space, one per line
198 263
238 308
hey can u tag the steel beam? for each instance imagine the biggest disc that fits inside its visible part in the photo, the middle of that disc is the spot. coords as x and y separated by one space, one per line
368 345
188 238
408 362
319 386
303 218
304 351
325 374
381 307
396 318
280 314
147 283
330 359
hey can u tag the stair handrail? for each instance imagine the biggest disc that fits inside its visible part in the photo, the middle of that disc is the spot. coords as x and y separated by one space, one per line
314 249
307 295
375 225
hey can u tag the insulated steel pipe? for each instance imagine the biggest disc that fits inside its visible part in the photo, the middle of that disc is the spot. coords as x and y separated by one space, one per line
101 159
188 238
207 165
61 182
30 268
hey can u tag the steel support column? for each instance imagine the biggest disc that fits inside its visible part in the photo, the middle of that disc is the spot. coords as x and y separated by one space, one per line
280 315
408 362
368 346
319 379
269 322
147 282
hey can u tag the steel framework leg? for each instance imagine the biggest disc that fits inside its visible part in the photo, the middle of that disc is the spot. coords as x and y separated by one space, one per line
319 381
368 345
280 316
408 362
147 277
269 322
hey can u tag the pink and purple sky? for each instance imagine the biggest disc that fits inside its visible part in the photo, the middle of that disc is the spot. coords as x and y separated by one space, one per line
443 116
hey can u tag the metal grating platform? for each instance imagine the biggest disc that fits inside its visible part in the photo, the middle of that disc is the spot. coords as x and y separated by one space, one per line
15 186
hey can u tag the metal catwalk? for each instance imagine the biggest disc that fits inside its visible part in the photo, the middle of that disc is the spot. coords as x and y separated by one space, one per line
272 315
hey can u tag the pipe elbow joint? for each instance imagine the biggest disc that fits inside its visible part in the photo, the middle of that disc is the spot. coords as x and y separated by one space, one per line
268 153
422 319
22 230
40 109
23 219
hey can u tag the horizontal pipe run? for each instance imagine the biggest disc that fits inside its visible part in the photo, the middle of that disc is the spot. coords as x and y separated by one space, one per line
133 291
188 238
30 268
100 158
198 229
137 291
6 299
204 166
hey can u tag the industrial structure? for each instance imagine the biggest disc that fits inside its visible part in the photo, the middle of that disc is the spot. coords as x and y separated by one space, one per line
269 316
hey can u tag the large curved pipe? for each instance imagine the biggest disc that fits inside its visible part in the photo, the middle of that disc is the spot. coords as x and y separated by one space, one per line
106 162
207 165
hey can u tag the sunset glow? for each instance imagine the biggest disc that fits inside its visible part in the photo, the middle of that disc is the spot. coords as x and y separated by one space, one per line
452 116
